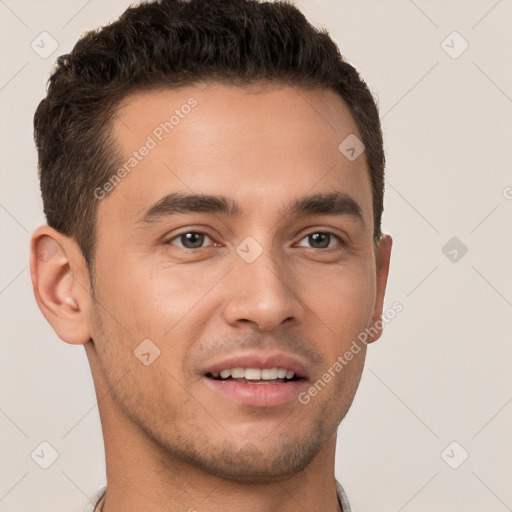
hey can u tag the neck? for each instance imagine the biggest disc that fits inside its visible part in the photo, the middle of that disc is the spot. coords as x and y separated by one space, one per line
142 475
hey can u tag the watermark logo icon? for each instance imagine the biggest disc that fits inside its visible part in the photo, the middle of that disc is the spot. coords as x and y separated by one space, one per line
454 45
46 250
249 249
44 45
454 455
44 455
454 249
147 352
351 147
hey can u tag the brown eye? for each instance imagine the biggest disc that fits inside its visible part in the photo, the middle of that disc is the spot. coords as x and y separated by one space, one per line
190 240
320 240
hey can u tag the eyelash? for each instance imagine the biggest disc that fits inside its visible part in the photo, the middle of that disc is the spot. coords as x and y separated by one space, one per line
177 236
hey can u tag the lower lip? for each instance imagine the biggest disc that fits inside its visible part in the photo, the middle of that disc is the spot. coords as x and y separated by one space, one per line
258 395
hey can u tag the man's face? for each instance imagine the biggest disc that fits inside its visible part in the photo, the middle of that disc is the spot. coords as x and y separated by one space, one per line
243 282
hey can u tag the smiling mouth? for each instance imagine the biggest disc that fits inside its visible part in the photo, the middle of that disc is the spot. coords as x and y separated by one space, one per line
255 375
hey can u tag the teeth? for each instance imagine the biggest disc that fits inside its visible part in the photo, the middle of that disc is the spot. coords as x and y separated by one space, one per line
237 373
255 373
269 374
281 373
252 374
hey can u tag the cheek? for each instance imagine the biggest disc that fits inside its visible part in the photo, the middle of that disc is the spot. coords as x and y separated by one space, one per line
158 299
342 297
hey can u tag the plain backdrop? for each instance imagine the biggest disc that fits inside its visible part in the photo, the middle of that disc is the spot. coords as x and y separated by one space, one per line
430 426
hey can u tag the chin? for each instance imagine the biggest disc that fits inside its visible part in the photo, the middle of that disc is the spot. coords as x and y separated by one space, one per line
258 465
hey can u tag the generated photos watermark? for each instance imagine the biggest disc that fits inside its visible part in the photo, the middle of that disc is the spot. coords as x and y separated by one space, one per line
152 140
342 360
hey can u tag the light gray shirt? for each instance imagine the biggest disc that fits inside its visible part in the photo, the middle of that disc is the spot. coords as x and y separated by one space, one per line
342 499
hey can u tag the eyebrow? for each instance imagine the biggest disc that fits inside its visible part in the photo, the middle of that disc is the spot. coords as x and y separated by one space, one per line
333 203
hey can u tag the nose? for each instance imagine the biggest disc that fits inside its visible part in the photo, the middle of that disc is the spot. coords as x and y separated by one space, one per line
263 294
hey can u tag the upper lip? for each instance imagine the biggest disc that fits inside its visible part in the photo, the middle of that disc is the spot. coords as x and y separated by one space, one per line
259 360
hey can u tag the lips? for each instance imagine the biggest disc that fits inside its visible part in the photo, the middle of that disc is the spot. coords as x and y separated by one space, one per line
251 363
265 374
257 379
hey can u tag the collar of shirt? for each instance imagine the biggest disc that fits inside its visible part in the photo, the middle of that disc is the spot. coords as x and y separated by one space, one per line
342 499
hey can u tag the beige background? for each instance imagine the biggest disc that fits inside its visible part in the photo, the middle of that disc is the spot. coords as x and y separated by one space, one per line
441 372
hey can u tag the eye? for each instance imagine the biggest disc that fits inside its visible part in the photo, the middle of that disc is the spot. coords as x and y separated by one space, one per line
190 240
321 240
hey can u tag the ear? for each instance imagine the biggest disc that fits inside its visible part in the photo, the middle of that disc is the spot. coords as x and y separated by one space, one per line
383 255
61 284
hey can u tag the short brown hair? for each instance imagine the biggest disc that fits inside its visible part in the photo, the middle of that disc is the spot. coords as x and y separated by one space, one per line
169 44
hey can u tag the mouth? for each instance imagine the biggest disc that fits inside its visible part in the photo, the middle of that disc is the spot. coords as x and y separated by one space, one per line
255 375
259 380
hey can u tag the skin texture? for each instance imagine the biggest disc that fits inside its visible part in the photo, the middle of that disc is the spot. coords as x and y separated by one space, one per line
171 441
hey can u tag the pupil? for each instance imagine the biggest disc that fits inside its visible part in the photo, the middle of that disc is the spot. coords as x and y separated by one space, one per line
321 239
192 240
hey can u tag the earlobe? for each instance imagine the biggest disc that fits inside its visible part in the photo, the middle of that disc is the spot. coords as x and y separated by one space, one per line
382 262
61 287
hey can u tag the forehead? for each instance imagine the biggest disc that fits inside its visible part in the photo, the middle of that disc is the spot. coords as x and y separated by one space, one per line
254 144
262 109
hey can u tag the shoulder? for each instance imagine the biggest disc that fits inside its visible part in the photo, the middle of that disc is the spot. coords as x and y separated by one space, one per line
91 505
342 498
